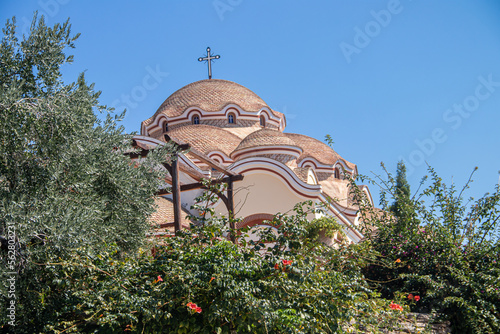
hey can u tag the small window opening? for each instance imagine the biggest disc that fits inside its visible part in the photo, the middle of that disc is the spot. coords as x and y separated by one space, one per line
262 121
230 119
196 119
337 173
165 127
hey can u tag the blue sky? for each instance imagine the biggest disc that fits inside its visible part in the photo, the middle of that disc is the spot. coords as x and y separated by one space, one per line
388 80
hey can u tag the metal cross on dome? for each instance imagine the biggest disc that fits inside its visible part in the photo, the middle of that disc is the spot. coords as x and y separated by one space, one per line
208 59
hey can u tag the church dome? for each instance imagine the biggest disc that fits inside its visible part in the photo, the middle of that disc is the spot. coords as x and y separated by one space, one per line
211 101
206 138
259 140
265 137
211 95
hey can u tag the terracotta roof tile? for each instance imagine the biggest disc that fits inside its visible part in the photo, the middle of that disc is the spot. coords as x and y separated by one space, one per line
242 132
206 138
265 137
316 149
163 218
210 95
301 173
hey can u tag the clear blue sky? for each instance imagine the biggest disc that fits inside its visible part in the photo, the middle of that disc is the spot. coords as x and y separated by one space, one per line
418 80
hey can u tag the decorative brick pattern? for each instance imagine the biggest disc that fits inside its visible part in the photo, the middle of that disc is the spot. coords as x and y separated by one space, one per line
178 125
322 176
286 159
241 126
163 218
211 95
206 138
220 123
265 137
301 173
243 132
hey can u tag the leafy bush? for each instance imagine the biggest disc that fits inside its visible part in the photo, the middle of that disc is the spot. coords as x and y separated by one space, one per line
201 282
443 256
65 185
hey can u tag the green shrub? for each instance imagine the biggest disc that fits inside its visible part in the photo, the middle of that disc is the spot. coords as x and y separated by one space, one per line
442 252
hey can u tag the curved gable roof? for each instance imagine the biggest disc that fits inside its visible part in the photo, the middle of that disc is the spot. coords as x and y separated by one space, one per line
265 137
316 149
206 138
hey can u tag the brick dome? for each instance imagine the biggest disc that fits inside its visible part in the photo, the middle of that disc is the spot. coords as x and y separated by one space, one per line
211 95
265 137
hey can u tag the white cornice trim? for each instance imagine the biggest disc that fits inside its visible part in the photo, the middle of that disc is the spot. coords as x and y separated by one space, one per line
341 212
312 173
344 165
152 143
366 190
220 154
262 165
294 151
324 168
316 165
215 115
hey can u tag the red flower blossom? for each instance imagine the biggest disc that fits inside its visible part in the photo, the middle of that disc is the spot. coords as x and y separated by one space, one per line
286 262
410 296
276 266
417 298
159 279
394 306
194 307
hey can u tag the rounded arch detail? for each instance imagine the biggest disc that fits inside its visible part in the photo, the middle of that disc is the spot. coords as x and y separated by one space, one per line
254 219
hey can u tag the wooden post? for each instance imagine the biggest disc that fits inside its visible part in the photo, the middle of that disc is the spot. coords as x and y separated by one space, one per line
176 192
231 208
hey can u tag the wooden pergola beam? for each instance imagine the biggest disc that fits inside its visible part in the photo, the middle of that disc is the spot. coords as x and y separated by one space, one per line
176 193
173 168
218 167
199 185
215 165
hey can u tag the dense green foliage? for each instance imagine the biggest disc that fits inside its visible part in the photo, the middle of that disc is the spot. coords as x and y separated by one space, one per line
442 252
294 284
59 179
64 182
401 208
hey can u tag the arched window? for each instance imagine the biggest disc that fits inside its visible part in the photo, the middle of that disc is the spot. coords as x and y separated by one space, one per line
337 173
196 119
262 120
165 127
231 118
